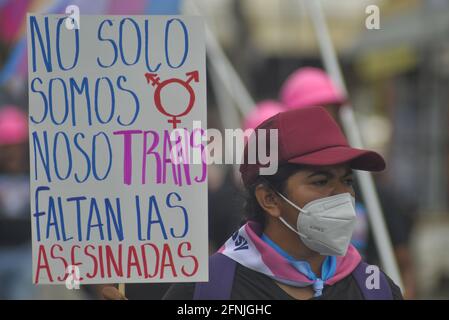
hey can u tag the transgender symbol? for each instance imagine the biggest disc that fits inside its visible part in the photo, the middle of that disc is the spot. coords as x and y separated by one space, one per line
153 79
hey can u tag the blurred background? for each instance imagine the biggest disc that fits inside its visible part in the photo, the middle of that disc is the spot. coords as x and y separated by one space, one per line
397 78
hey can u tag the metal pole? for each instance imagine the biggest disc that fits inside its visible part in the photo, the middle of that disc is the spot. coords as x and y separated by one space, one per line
369 193
223 67
227 111
223 75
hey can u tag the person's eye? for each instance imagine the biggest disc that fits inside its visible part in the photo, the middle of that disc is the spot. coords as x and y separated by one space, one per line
320 183
349 182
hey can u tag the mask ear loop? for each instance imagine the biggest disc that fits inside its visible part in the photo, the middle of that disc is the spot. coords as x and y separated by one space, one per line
290 202
296 207
289 226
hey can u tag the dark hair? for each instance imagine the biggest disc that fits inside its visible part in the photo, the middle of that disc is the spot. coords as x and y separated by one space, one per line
278 181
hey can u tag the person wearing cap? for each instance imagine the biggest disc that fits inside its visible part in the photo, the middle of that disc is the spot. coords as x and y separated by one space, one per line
13 138
295 243
309 86
15 224
261 112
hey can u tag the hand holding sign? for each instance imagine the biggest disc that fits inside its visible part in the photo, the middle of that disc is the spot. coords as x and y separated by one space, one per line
112 293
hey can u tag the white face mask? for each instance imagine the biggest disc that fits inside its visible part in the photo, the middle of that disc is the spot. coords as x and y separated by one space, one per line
325 225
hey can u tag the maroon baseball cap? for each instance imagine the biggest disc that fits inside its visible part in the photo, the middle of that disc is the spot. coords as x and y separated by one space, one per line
310 136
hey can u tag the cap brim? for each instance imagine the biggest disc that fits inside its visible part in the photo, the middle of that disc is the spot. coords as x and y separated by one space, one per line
358 159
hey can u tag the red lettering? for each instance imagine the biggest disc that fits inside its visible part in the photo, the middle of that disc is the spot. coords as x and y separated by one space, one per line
94 261
118 268
42 255
133 261
166 253
72 257
100 257
53 256
195 260
145 266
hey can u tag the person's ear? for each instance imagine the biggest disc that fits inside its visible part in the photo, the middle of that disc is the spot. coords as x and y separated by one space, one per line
268 200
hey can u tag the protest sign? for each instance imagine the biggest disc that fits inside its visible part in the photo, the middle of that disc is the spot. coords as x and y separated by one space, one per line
115 195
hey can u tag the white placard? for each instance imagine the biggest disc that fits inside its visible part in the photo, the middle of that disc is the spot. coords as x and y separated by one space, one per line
113 198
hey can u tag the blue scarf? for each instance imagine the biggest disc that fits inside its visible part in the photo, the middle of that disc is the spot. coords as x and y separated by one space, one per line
327 268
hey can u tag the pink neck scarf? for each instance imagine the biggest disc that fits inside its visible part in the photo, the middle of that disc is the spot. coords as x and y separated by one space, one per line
247 248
